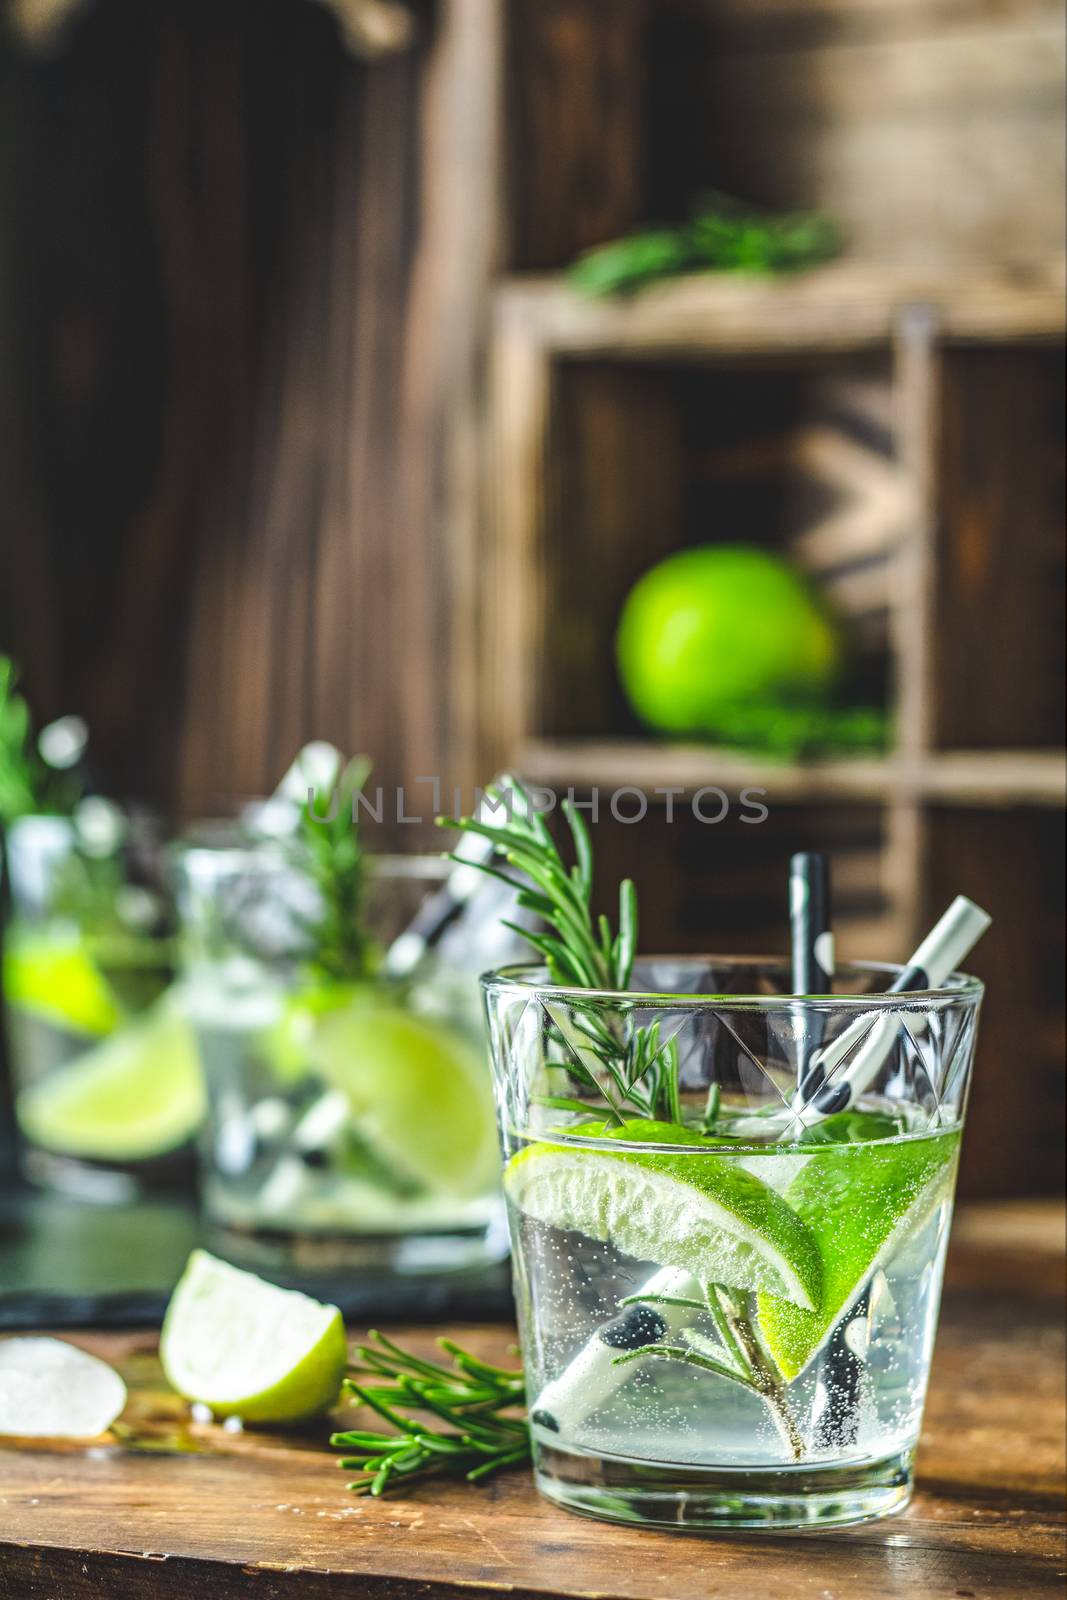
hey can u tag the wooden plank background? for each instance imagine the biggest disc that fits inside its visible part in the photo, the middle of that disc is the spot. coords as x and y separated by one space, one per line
932 128
244 276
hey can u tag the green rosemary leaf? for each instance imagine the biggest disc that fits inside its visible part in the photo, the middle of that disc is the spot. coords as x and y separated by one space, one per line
681 1352
626 943
475 1400
331 851
563 1102
581 951
583 848
27 784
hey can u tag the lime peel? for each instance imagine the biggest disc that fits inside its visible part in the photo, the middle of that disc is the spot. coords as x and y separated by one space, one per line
53 978
859 1202
420 1094
137 1094
696 1212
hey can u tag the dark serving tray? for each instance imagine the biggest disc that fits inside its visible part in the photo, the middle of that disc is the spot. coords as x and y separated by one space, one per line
66 1263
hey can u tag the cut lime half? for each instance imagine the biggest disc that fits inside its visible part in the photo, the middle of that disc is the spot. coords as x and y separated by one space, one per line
420 1095
860 1202
696 1211
246 1348
137 1094
54 978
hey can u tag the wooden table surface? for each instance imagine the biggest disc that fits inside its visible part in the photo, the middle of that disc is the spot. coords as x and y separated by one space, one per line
193 1512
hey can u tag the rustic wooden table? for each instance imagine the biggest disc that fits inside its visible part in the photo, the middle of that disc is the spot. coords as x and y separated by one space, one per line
191 1512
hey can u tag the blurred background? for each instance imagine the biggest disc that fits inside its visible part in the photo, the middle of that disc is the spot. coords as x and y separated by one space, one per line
308 429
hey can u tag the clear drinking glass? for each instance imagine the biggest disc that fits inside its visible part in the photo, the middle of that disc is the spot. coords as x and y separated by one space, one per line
350 1125
108 1094
732 1327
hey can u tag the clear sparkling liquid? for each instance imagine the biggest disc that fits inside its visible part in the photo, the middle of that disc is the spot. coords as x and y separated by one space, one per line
858 1400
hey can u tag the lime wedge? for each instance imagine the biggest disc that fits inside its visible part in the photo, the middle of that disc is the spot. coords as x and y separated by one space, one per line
697 1212
287 1041
248 1349
420 1095
55 979
859 1202
52 1390
137 1094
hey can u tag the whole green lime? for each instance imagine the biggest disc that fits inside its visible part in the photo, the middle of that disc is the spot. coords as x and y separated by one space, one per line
718 627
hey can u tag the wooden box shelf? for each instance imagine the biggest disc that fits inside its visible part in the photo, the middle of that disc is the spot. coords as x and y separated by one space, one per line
896 433
846 305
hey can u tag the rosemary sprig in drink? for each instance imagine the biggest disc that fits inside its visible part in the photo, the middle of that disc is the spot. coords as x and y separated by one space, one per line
331 852
638 1071
471 1398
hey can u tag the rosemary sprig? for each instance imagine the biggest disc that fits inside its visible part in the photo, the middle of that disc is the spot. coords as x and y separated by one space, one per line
581 951
472 1399
722 235
27 783
638 1070
737 1355
332 854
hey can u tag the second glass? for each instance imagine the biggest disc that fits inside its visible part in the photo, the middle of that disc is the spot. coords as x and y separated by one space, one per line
349 1124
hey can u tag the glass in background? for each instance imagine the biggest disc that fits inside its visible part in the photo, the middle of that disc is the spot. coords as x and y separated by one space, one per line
107 1086
350 1119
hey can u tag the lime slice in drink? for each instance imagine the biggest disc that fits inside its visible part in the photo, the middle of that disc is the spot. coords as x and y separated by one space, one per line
695 1211
859 1201
287 1042
55 979
248 1349
50 1389
137 1094
420 1094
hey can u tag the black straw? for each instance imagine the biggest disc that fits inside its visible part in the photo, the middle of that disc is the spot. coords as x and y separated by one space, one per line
812 961
811 943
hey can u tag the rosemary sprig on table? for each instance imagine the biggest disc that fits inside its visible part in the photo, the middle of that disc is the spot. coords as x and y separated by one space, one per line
638 1072
414 1396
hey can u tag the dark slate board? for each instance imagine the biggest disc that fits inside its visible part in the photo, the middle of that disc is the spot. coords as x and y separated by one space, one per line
67 1264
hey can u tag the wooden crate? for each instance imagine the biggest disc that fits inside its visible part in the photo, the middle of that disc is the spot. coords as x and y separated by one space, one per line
893 431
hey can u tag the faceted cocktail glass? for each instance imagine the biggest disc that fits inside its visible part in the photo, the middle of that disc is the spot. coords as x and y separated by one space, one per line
730 1328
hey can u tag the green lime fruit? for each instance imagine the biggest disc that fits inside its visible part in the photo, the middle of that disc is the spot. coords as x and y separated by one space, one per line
420 1094
248 1349
54 979
137 1094
860 1202
720 626
696 1211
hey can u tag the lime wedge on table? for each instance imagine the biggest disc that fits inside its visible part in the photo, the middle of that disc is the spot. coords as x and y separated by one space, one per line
55 979
695 1211
248 1349
860 1202
139 1093
420 1095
